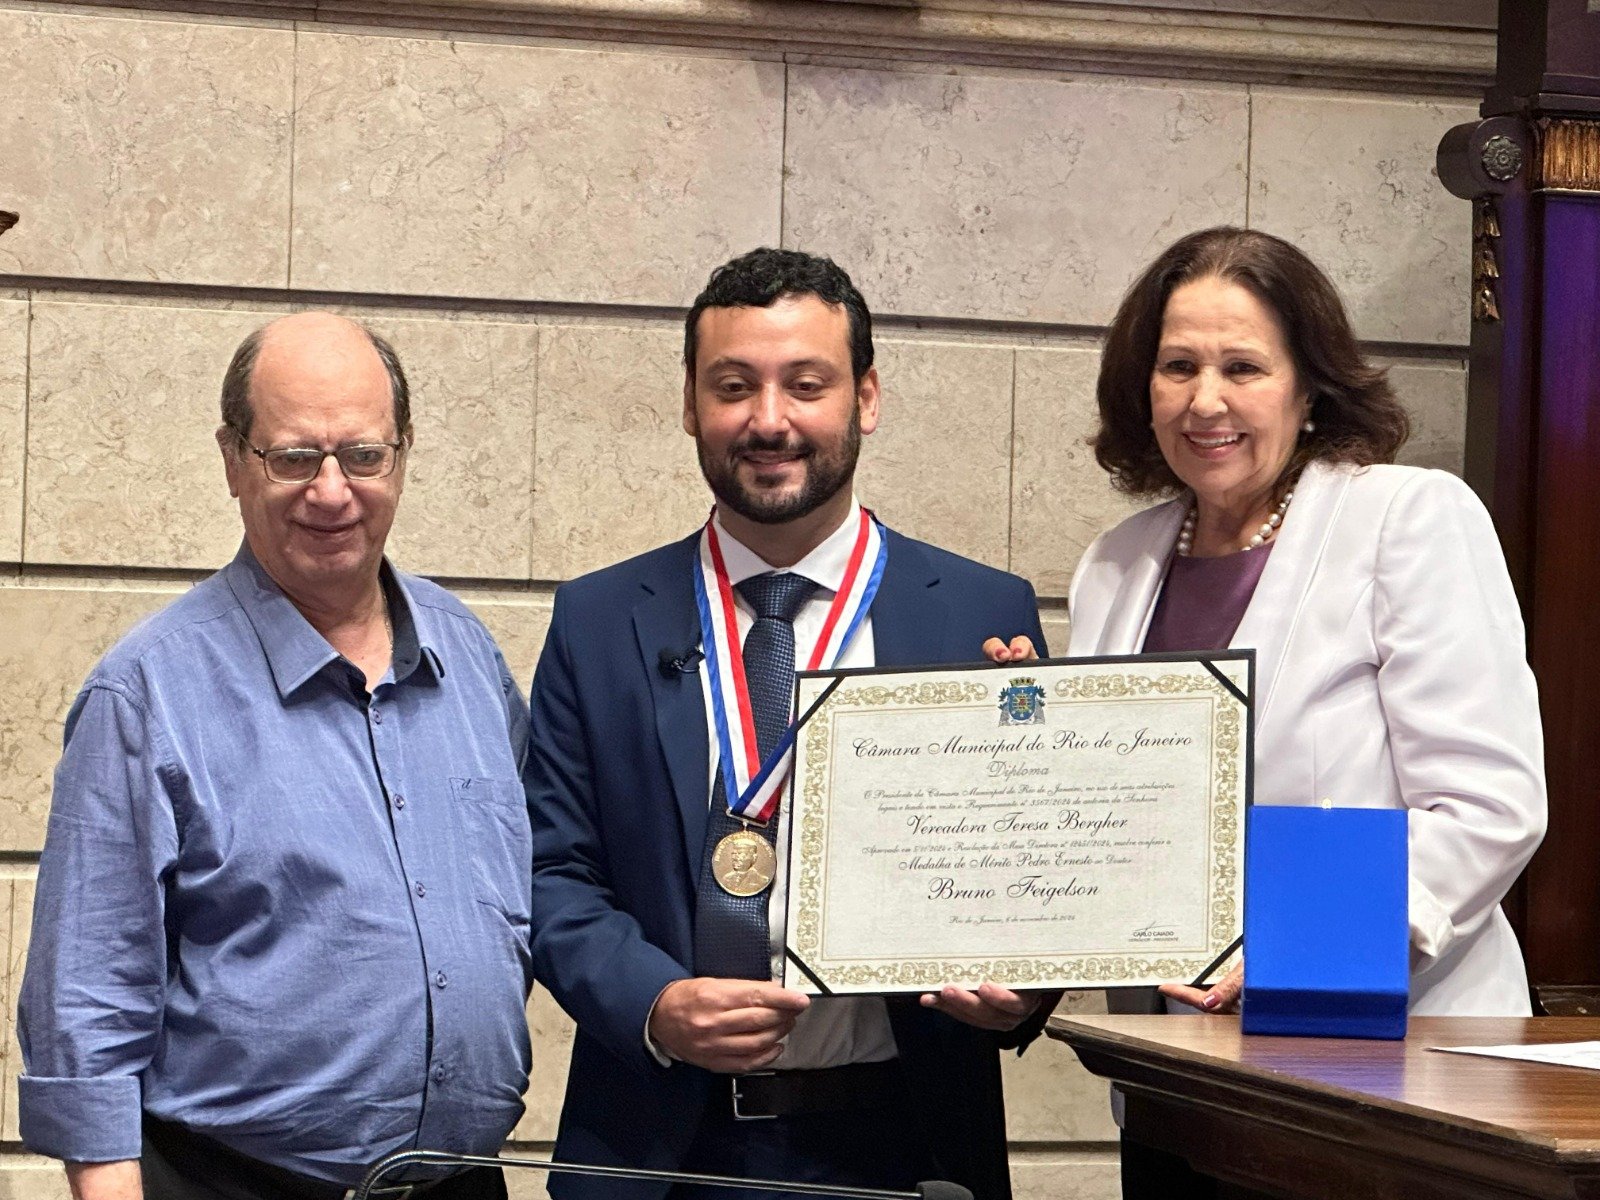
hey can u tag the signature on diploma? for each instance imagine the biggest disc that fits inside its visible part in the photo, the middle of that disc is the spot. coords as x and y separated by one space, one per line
1155 933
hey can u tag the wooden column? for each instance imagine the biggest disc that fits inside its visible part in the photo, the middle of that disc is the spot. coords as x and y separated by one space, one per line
1531 167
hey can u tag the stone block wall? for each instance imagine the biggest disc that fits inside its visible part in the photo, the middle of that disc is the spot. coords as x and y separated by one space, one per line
525 194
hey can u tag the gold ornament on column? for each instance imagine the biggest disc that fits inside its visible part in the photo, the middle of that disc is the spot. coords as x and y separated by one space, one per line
1485 267
1570 155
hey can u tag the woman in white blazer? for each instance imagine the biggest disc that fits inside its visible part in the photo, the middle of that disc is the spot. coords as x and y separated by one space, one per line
1390 674
1391 669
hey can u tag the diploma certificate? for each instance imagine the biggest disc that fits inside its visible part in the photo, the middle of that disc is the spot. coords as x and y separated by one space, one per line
1053 824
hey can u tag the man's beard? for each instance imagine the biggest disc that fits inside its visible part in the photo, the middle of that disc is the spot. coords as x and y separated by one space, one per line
827 469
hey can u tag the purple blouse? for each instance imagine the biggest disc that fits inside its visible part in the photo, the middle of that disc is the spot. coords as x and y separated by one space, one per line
1203 600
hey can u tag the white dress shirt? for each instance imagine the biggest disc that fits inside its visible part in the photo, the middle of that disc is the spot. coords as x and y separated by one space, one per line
834 1030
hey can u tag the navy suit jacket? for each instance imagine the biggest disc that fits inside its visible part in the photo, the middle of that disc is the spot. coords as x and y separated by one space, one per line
618 782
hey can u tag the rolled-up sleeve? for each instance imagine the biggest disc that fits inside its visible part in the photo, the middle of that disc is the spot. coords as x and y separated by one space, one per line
90 1008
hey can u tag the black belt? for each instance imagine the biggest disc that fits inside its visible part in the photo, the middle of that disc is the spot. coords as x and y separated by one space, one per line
207 1161
764 1095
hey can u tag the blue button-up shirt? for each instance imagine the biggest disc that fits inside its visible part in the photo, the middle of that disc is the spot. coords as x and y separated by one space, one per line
283 913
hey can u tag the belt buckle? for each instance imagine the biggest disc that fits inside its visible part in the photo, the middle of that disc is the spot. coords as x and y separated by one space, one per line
739 1116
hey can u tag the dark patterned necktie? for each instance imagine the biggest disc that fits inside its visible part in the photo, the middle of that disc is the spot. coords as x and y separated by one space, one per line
731 940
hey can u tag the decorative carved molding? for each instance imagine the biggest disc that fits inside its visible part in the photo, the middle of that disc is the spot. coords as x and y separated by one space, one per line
1044 34
1479 161
1485 267
1570 154
1457 14
1484 158
1502 158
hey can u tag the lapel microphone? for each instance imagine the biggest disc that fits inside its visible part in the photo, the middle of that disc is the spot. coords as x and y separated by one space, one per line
934 1189
680 662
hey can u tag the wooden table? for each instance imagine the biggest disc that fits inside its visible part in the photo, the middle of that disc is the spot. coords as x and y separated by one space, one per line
1337 1119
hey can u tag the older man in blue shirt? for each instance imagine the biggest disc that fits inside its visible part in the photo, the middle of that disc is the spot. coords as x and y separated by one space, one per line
282 914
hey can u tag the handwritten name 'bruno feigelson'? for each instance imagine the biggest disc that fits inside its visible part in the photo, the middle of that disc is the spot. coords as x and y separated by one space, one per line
1034 886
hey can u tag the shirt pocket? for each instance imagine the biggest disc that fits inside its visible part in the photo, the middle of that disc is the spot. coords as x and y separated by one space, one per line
493 818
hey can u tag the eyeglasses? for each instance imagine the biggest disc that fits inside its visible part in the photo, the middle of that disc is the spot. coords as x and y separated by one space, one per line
372 460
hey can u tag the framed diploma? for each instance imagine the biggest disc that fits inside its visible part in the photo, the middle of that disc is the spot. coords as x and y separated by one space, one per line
1066 823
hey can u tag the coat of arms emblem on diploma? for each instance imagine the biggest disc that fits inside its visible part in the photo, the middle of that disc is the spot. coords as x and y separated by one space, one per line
1022 703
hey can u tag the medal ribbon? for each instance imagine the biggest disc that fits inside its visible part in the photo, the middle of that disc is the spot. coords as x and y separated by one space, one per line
753 786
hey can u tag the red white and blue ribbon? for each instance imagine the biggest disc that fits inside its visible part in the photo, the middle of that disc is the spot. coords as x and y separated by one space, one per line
753 786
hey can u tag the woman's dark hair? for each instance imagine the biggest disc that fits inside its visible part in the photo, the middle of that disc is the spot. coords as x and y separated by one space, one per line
760 278
1357 416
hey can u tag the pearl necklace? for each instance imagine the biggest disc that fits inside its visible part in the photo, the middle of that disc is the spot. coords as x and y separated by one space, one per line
1260 538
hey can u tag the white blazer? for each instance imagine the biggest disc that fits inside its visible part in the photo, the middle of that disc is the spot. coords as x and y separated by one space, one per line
1390 673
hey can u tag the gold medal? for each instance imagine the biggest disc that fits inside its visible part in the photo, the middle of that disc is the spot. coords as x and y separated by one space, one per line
743 863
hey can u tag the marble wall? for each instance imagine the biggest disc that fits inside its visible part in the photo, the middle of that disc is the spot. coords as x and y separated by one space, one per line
526 218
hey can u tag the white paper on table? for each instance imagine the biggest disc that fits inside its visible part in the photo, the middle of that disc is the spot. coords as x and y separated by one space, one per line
1559 1054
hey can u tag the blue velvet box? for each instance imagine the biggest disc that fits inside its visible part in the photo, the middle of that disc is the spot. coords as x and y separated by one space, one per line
1326 934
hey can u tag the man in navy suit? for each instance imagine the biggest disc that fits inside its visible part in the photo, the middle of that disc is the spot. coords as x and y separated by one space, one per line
688 1057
